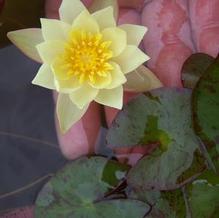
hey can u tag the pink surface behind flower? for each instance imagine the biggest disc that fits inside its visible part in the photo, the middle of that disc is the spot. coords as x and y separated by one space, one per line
204 15
26 212
168 41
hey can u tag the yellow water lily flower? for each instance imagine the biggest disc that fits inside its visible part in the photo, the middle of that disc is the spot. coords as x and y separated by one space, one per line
85 57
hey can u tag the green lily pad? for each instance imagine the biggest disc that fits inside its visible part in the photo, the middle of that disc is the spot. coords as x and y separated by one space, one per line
164 204
205 103
194 67
19 15
80 190
204 197
162 116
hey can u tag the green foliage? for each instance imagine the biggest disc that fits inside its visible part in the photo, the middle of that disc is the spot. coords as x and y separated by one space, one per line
161 116
81 190
194 67
205 104
203 196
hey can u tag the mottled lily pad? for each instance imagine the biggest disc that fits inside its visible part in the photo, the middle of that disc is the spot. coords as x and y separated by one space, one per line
80 190
194 67
206 111
162 116
203 195
164 204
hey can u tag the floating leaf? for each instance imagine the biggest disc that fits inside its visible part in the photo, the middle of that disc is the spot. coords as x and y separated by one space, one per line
164 204
203 196
19 15
80 189
161 116
194 67
205 104
175 201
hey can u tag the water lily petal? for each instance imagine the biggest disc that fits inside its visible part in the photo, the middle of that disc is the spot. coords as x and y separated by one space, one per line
67 86
86 22
100 4
67 112
70 9
135 33
83 96
118 77
105 18
118 37
26 40
53 29
44 77
59 69
49 50
141 80
111 97
131 58
64 82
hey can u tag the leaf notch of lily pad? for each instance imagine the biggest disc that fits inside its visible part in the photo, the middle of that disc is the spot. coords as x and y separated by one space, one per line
78 191
161 169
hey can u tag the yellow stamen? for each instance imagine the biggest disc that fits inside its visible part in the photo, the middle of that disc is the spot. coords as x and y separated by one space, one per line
86 56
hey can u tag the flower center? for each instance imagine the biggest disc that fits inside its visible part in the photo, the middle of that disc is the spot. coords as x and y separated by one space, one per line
86 56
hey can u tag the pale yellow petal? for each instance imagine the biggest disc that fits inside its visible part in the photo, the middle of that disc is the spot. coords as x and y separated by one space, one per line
70 9
26 40
118 37
49 51
44 77
67 112
83 96
118 77
66 86
141 80
105 18
86 22
131 58
64 82
111 97
53 29
60 69
135 33
100 4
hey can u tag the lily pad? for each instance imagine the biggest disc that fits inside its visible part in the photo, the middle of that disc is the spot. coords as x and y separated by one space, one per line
205 104
19 15
194 67
164 204
175 204
80 190
204 197
162 116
